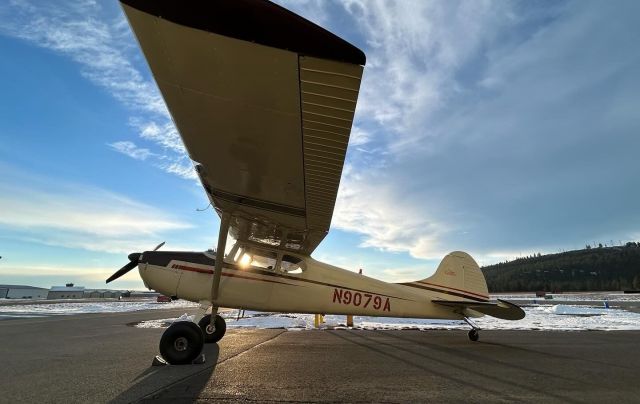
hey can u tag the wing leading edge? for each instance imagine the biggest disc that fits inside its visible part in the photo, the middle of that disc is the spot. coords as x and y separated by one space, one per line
264 102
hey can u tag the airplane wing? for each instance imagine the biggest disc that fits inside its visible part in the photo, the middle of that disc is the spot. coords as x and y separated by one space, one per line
264 102
502 309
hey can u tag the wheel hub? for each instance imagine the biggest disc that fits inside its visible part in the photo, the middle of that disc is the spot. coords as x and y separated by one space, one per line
210 329
181 344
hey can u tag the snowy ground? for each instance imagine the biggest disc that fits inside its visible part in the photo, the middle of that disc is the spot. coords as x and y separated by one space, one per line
67 307
591 297
556 317
564 312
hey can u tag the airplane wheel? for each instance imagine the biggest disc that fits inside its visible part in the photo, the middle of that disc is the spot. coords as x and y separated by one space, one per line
181 343
212 332
474 335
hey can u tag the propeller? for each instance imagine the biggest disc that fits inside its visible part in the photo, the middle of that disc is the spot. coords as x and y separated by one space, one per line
158 246
134 258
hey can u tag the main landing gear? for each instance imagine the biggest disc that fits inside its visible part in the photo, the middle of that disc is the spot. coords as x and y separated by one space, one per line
474 333
183 341
213 332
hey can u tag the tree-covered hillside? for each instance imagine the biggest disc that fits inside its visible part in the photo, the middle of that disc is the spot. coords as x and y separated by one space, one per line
590 269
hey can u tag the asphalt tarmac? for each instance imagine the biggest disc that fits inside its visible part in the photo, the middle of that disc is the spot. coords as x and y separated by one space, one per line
100 358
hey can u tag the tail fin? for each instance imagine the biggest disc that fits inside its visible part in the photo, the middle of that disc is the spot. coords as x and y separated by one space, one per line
459 274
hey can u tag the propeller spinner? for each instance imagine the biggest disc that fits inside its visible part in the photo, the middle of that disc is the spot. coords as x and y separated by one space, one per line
134 258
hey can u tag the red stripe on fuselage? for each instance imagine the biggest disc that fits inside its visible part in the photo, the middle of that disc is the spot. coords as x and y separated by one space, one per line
459 290
192 269
447 292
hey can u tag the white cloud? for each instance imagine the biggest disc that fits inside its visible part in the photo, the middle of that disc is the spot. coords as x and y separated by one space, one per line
385 220
58 270
104 51
164 134
86 275
415 49
174 160
358 136
77 216
481 125
77 31
182 169
131 150
506 126
405 274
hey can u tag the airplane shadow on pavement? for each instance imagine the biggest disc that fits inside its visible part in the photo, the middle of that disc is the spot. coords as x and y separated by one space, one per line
435 359
177 382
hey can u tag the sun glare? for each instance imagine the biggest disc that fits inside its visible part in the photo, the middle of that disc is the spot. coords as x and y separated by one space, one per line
245 261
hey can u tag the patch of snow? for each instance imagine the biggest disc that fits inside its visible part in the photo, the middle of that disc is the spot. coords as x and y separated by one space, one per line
69 308
162 323
566 310
185 317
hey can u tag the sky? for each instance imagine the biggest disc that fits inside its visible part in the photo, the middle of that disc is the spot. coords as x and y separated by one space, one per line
501 128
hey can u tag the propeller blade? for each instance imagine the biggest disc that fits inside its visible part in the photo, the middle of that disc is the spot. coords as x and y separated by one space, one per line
158 247
133 262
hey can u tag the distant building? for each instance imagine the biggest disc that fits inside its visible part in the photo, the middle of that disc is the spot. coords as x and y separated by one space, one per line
102 294
143 294
66 292
92 294
112 294
22 292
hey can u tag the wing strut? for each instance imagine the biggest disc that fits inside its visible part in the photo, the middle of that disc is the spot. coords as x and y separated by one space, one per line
222 244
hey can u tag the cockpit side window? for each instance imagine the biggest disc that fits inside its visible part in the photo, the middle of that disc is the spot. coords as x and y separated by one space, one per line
258 258
238 254
292 264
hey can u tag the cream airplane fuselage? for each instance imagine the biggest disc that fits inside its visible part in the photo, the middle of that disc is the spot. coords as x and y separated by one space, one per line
319 288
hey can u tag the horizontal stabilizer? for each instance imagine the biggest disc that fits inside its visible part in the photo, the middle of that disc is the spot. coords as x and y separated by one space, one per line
502 309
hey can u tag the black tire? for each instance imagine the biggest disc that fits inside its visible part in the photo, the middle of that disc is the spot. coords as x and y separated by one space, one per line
215 333
474 335
181 343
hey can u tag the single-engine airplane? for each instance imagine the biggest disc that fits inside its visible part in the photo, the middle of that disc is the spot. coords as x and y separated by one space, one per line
264 102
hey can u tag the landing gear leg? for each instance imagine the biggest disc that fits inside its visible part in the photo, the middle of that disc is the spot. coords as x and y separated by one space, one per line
217 270
474 332
213 326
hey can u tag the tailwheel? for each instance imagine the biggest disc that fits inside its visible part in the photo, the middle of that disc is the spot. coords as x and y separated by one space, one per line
181 343
473 333
212 332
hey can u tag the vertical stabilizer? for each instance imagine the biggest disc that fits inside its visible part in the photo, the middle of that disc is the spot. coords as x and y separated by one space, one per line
459 273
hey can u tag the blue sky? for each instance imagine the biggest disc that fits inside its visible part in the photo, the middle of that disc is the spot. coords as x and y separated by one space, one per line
499 128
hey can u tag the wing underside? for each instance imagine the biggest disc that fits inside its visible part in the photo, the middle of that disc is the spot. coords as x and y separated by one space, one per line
264 102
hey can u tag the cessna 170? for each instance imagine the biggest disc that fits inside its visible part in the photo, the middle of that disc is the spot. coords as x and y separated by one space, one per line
264 102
